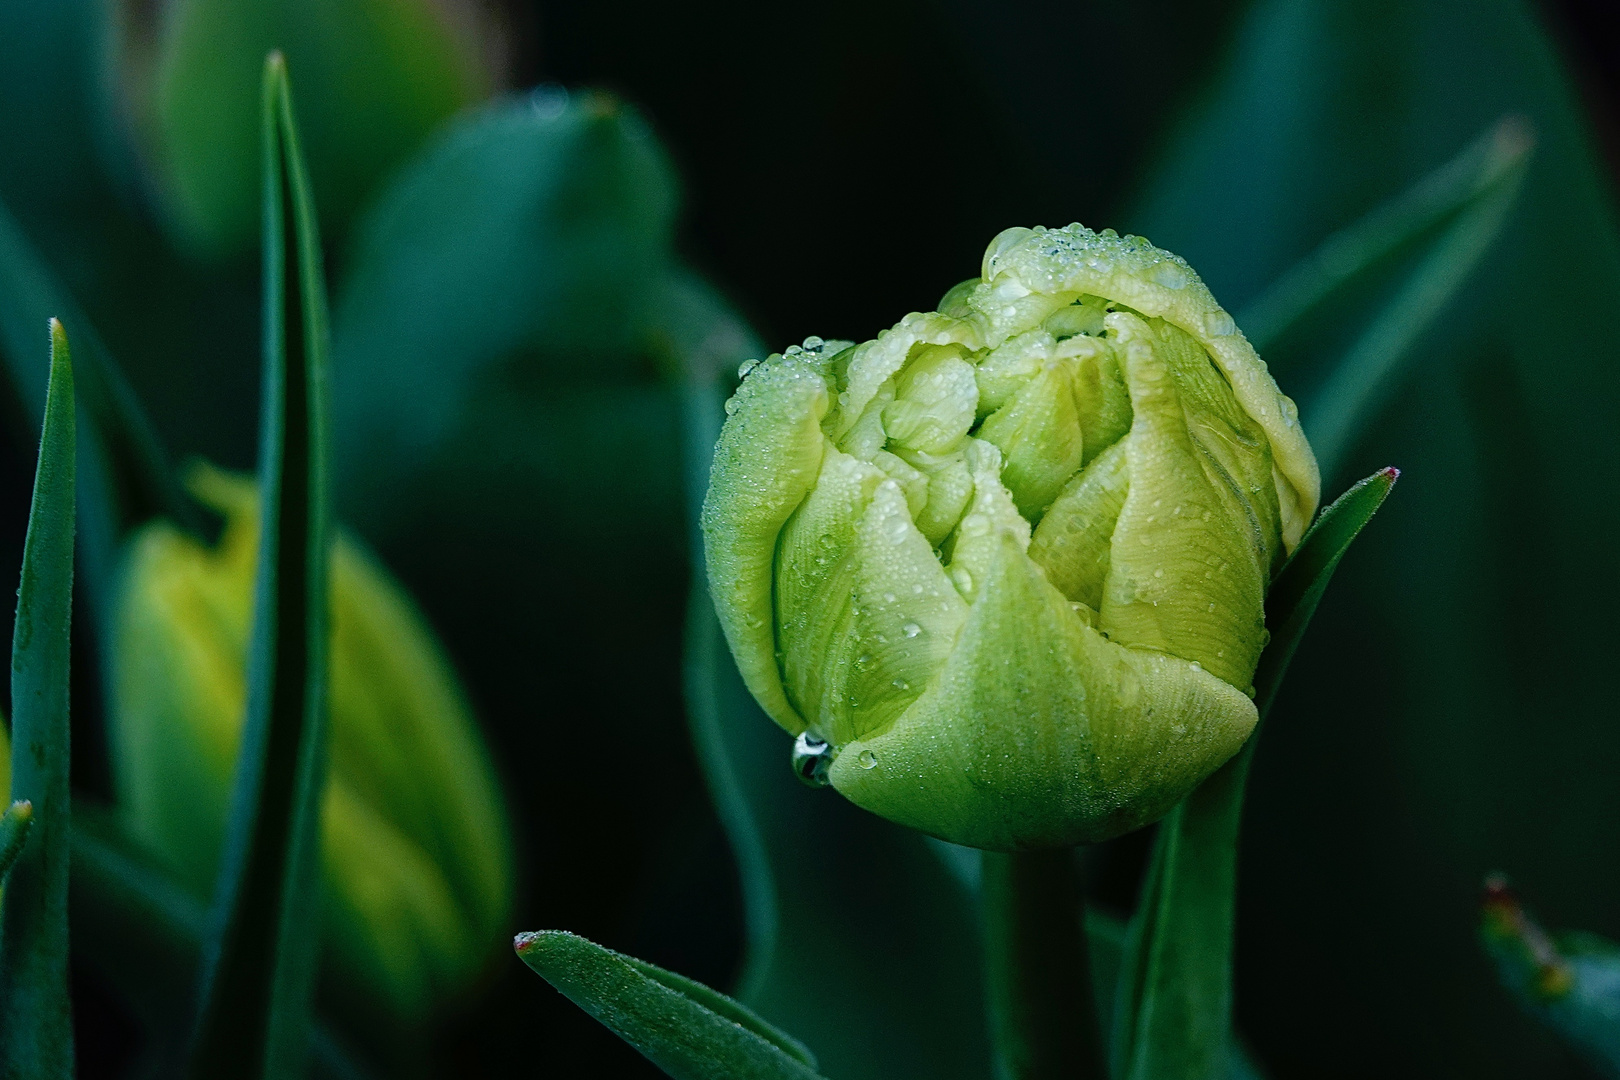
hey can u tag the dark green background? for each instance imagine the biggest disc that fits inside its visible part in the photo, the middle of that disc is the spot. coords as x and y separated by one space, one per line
844 163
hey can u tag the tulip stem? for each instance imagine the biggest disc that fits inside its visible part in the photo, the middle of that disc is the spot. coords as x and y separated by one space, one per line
1043 1015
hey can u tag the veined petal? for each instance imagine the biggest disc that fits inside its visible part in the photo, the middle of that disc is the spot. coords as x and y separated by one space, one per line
815 586
1185 576
1072 542
1038 732
907 616
767 458
1131 271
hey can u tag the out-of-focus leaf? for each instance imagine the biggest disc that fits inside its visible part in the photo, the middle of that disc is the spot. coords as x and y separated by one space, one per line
376 76
142 932
1490 163
1479 617
124 476
14 826
1175 1016
1570 981
513 258
259 963
859 937
36 1035
1351 394
683 1027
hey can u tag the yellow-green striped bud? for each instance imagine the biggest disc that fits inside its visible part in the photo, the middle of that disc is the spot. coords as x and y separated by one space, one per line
415 844
1008 560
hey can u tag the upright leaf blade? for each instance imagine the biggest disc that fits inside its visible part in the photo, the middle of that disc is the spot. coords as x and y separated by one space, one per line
258 967
685 1028
1173 1016
36 1018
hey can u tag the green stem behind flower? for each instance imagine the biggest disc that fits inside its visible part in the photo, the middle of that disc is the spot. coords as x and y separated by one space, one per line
1043 1015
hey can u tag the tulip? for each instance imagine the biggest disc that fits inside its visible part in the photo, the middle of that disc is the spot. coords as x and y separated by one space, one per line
415 846
1003 568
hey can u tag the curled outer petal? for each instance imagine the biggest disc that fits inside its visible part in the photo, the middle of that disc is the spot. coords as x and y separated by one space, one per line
1009 558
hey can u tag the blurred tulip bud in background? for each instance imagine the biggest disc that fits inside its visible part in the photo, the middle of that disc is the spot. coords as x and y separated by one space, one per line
374 78
1002 569
416 848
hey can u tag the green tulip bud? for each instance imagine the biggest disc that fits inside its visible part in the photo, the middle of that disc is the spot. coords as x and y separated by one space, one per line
1008 560
416 850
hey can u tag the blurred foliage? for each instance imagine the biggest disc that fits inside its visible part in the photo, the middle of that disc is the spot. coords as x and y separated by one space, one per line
375 76
417 859
1569 981
512 294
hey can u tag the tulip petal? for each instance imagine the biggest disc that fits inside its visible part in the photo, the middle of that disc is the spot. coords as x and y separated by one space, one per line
1131 271
907 616
815 584
766 461
1039 732
1185 575
1073 540
1039 432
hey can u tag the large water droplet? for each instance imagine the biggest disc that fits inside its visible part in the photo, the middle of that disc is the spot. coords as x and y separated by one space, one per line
812 757
866 759
1218 324
745 367
911 629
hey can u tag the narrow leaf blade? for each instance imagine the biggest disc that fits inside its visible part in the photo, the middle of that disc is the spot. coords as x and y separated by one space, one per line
259 961
1174 1013
36 1035
672 1021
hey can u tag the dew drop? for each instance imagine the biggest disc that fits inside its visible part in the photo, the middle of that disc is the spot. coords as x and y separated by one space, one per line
901 684
1218 324
962 579
812 757
1196 666
866 759
911 630
1159 572
732 405
1212 606
745 367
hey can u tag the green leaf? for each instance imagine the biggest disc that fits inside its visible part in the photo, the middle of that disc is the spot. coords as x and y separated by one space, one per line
259 963
683 1027
822 954
495 288
14 826
378 79
36 1039
1335 414
1493 162
124 476
1569 981
1175 997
